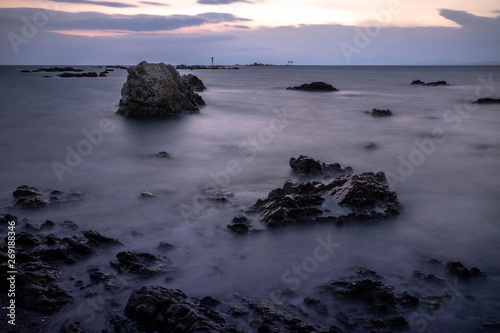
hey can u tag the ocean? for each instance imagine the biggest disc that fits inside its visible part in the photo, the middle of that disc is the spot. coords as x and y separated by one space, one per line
440 152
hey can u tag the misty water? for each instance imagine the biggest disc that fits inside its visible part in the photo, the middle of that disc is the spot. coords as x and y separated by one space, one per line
442 162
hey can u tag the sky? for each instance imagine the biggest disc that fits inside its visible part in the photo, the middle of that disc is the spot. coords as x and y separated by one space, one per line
307 32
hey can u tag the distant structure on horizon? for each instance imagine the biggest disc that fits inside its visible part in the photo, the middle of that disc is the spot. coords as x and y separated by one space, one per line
212 61
290 62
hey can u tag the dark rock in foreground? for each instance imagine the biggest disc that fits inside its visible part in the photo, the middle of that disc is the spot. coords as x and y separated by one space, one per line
315 86
194 82
487 101
89 74
381 113
169 310
25 71
157 90
307 166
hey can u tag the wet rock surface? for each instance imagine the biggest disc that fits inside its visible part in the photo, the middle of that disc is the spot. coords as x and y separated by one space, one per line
157 90
315 86
29 197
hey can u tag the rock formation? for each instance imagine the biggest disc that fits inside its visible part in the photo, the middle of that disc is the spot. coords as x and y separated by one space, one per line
157 90
315 86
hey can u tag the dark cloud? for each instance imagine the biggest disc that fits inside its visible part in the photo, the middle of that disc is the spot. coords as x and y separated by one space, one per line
99 3
468 20
154 3
220 2
100 21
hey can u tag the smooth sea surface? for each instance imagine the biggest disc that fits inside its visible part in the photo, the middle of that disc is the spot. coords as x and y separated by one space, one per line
440 152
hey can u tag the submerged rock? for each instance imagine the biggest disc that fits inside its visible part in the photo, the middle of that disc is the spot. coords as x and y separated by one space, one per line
29 197
58 69
487 101
98 240
315 86
157 90
458 269
89 74
307 166
163 154
194 82
381 113
170 310
436 83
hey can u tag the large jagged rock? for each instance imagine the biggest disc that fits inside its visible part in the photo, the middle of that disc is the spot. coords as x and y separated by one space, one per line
349 198
157 90
170 310
367 194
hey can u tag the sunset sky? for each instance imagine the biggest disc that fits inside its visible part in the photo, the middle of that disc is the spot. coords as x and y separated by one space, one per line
270 31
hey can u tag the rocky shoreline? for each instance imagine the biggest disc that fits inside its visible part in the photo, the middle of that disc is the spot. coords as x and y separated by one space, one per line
361 301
